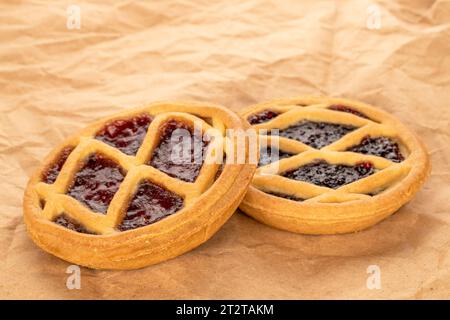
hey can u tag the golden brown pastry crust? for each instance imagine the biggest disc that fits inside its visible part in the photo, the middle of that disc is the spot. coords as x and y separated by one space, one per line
348 208
208 202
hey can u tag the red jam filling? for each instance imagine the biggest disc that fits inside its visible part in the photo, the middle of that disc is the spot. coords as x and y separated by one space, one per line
266 155
69 223
150 204
316 134
52 172
169 155
125 135
263 116
338 107
379 146
329 175
97 182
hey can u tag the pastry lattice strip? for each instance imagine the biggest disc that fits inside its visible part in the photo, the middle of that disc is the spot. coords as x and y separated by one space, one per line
268 178
57 201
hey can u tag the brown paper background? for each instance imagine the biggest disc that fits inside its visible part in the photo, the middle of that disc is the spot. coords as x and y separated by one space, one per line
54 81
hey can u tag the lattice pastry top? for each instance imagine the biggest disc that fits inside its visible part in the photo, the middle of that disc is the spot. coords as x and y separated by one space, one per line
115 196
342 165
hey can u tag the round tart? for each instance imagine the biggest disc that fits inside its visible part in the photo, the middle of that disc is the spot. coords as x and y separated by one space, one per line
121 195
331 165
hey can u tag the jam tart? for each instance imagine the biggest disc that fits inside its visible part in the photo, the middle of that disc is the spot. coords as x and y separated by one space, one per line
339 166
113 197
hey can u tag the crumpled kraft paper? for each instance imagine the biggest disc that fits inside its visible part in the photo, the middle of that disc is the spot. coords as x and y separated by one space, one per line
55 79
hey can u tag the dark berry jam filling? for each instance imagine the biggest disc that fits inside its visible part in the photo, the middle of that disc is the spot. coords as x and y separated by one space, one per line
150 204
285 196
265 155
316 134
97 182
338 107
125 135
380 146
69 223
52 172
324 174
170 155
263 116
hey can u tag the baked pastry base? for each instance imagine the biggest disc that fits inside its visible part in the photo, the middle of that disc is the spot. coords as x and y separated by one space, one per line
346 209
